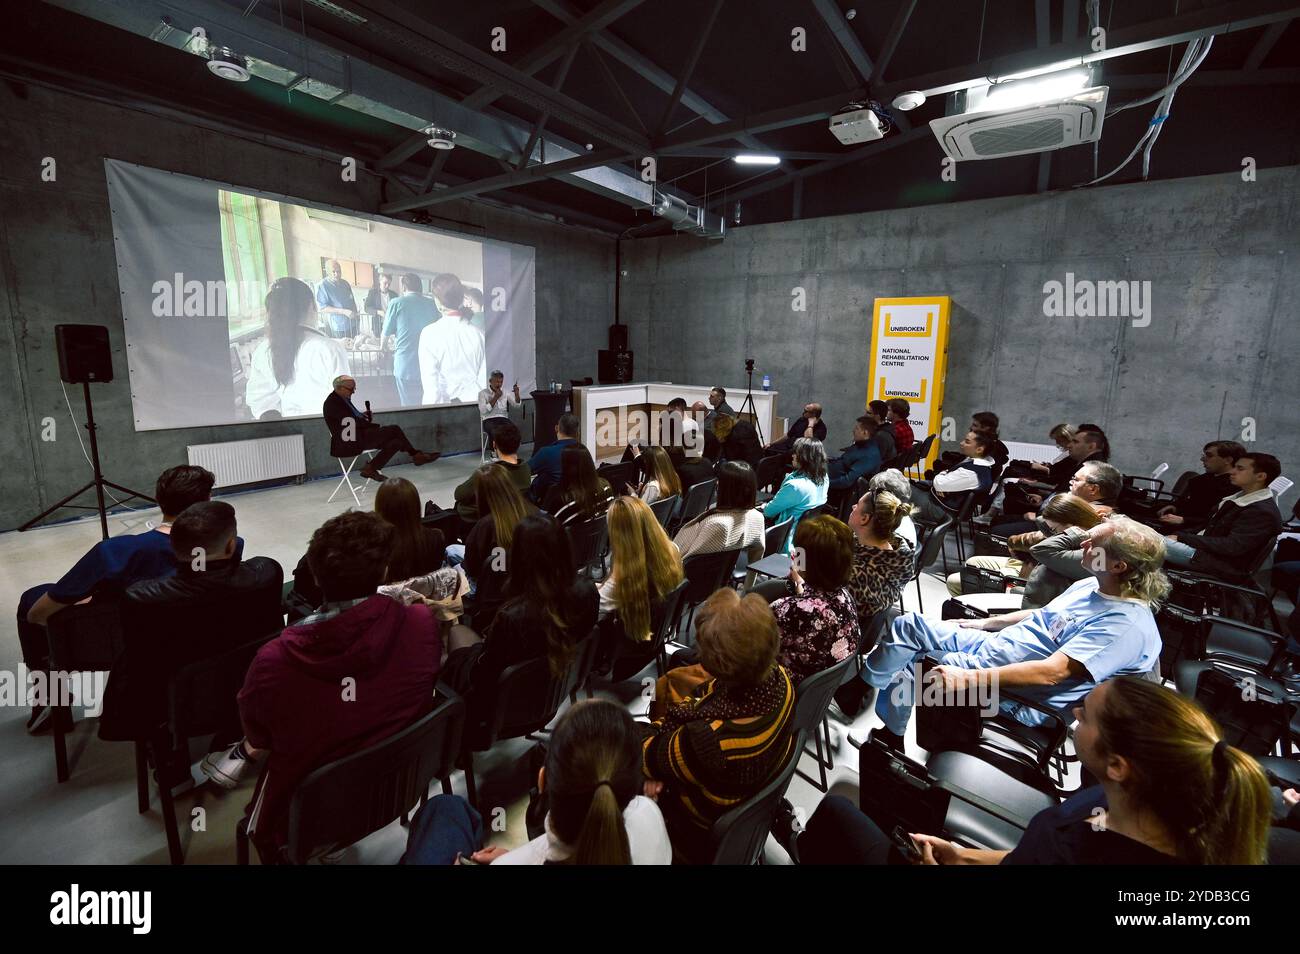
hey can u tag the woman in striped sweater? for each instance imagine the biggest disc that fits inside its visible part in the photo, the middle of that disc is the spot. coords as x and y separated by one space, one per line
723 744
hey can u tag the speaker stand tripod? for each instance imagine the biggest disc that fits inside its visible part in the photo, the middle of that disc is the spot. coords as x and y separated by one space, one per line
99 483
749 401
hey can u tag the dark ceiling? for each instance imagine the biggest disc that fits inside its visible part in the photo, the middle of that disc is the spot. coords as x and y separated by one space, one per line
1244 100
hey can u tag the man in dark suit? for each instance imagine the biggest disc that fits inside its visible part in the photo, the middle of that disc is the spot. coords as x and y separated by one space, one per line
1197 503
1240 529
351 432
213 603
810 424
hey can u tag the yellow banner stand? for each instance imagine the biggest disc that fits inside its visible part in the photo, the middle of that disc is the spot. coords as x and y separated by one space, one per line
909 359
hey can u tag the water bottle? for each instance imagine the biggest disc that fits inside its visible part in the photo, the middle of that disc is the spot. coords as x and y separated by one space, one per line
767 382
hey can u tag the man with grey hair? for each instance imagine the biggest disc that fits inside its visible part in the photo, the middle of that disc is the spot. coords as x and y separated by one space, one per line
494 404
337 302
894 482
352 431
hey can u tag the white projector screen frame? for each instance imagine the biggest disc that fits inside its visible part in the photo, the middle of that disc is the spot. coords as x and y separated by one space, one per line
192 329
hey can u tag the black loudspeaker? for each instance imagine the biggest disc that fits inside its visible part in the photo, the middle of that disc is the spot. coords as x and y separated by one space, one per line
618 337
614 367
84 354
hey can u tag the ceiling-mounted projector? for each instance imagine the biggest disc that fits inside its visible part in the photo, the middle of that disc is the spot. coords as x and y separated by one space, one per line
227 64
856 124
440 138
1021 116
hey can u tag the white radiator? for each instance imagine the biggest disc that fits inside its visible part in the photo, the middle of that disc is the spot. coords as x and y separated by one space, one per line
246 462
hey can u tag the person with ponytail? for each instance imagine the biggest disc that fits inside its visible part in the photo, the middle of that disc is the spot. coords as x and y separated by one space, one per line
1170 791
596 812
547 609
295 363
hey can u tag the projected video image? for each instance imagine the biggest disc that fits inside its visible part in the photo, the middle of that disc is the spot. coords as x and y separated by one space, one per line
244 307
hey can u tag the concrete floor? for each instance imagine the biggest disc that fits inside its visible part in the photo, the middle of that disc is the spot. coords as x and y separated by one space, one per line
92 818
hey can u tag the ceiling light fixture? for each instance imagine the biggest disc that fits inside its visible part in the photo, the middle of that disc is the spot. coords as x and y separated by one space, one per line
910 99
227 64
1023 92
440 138
755 159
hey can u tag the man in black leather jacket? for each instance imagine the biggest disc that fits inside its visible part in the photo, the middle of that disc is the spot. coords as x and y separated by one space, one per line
214 603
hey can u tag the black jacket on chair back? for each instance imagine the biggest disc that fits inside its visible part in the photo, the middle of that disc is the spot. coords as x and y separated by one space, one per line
173 621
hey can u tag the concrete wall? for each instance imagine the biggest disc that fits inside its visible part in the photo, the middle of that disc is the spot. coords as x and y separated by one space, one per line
1222 256
57 265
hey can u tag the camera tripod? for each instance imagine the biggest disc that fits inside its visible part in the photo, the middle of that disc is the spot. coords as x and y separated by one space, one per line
749 401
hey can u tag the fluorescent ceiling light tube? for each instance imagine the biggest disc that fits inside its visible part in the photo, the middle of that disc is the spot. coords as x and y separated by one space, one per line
1024 92
754 159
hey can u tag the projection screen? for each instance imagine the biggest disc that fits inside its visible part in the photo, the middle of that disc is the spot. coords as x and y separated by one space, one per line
240 305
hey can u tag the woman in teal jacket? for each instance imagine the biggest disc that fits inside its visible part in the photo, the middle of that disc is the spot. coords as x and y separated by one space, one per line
802 490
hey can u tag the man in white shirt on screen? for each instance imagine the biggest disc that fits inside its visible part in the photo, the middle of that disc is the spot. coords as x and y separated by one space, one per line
453 358
494 402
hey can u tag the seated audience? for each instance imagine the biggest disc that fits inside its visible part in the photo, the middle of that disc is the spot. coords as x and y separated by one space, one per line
679 430
742 444
489 545
818 619
1171 791
1087 443
696 469
860 459
733 523
884 438
644 567
596 814
547 610
505 445
732 735
1053 558
803 489
1099 627
986 422
212 603
1096 482
1057 472
899 410
717 407
895 482
348 676
882 557
544 465
581 494
417 550
1242 527
808 424
107 569
1196 504
661 480
945 496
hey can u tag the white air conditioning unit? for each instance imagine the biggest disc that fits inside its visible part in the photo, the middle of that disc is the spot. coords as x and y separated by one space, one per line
982 130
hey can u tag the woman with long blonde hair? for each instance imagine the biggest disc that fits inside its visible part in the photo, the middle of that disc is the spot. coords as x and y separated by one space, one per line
661 478
645 567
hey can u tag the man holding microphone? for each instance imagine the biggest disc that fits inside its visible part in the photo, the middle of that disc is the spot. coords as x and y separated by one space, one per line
353 431
494 403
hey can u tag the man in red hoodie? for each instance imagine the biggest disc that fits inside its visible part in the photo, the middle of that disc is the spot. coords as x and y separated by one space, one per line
350 675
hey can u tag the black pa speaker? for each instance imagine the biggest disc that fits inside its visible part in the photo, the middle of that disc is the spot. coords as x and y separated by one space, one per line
618 337
84 354
614 367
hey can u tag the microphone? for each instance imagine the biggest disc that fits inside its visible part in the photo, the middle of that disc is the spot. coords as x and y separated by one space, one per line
369 416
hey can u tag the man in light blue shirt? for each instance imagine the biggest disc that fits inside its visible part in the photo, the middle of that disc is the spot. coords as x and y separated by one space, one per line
337 302
406 317
1100 627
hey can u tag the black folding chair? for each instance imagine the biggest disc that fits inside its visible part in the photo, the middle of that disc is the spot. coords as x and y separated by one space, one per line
620 475
706 573
930 548
85 637
613 642
664 508
201 700
737 838
769 474
527 699
774 537
812 700
587 541
697 502
340 803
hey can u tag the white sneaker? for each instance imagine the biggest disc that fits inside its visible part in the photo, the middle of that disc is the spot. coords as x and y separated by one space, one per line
226 769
